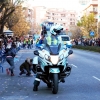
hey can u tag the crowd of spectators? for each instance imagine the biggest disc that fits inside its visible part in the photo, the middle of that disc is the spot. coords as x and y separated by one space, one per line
86 42
21 43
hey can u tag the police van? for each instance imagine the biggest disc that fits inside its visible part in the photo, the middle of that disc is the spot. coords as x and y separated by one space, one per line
65 40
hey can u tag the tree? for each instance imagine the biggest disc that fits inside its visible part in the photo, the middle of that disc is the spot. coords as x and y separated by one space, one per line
76 32
7 7
14 17
21 27
88 23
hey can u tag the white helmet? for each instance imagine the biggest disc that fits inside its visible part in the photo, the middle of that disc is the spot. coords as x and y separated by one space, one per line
56 29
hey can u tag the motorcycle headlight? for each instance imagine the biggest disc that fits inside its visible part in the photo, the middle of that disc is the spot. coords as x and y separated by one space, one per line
54 59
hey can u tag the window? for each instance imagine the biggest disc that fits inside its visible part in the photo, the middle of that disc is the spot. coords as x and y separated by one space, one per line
73 23
73 15
71 19
29 15
52 18
70 23
62 15
48 12
94 9
48 17
29 10
53 13
64 24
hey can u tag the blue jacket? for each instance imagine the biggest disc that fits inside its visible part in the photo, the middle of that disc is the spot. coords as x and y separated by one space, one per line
10 52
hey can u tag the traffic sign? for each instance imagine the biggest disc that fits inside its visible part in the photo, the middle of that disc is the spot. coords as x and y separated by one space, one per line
92 33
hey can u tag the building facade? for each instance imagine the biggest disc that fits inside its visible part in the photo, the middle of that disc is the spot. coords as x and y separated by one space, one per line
98 10
61 16
84 2
92 8
37 15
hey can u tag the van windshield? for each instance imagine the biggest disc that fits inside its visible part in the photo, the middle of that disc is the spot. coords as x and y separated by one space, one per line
65 38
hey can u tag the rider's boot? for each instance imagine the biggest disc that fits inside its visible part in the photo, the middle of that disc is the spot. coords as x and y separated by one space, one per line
36 83
35 88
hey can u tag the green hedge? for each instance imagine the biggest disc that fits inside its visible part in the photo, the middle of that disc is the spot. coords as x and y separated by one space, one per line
90 48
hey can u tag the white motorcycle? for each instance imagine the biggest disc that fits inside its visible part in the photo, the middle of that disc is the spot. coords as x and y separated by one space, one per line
53 65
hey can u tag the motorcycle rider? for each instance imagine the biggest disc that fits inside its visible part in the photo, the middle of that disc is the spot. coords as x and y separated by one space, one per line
51 39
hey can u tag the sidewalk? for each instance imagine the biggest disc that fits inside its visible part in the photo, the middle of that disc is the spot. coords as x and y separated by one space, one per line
16 88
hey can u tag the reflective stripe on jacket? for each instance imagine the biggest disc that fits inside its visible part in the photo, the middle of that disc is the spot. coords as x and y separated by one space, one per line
51 41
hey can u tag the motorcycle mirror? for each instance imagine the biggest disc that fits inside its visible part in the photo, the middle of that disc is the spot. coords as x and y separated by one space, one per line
36 52
41 47
70 52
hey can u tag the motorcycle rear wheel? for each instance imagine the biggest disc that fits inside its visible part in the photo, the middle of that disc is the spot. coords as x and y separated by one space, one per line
55 83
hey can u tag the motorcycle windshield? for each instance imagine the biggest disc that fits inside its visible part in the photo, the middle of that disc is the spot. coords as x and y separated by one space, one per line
54 49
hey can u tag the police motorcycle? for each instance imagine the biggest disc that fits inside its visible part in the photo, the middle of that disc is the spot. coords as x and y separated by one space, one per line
53 65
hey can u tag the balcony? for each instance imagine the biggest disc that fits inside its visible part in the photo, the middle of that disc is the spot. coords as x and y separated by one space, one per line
94 11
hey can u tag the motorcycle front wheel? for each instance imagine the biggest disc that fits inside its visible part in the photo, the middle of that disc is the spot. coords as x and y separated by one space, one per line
55 83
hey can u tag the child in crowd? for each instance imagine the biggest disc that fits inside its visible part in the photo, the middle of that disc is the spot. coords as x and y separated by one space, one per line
26 67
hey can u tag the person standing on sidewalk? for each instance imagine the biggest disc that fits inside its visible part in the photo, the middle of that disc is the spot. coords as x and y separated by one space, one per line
10 53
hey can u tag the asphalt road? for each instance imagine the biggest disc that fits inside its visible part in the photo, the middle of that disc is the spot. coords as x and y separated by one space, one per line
82 84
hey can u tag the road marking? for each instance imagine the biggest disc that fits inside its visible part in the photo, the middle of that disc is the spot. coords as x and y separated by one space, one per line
96 78
15 98
74 65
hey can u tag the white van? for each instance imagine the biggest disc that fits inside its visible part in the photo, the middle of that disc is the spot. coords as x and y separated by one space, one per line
65 40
